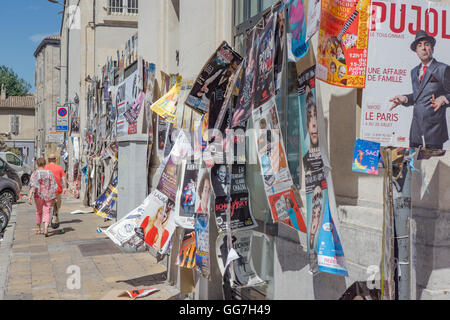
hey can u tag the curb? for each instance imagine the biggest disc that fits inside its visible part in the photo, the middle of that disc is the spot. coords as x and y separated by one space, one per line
5 252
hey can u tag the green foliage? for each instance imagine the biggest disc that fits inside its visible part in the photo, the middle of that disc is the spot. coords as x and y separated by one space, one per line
15 86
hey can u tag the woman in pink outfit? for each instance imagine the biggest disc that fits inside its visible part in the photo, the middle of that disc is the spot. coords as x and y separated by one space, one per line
43 186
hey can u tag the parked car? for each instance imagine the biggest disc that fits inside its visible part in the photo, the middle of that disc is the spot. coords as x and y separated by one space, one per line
23 170
9 190
9 172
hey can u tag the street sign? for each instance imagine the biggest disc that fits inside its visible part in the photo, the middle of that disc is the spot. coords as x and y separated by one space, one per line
55 136
62 119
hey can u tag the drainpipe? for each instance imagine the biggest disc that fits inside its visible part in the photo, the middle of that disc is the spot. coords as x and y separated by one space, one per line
402 216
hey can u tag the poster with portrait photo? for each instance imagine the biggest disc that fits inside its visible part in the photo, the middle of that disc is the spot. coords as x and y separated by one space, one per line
241 217
211 83
203 191
270 147
187 195
413 75
316 187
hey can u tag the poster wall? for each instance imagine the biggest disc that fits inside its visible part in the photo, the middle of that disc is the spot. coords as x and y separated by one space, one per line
343 42
404 114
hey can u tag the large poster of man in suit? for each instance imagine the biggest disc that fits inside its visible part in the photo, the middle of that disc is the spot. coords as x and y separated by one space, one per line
407 94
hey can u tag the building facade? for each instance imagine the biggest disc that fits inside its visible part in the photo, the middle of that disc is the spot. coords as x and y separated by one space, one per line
91 31
179 36
47 84
17 121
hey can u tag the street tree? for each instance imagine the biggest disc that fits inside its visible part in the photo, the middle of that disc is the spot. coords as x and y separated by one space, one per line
14 85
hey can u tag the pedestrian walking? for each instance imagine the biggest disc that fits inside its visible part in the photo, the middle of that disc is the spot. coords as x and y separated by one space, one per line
60 176
43 187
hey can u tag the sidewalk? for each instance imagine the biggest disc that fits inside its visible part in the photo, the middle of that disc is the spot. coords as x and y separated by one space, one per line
45 268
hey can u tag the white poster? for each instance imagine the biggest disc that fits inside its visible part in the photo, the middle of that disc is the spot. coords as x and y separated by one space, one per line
405 104
126 94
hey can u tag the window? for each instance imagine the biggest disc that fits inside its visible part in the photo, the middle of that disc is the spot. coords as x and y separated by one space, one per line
14 124
133 6
123 7
12 159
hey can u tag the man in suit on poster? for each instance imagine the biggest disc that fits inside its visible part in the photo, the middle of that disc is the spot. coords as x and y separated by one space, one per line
430 97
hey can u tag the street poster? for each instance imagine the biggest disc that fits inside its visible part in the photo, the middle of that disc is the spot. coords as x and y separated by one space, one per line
186 195
132 114
126 94
150 225
203 191
201 228
330 254
212 81
186 256
166 106
162 127
343 42
297 41
412 109
277 179
105 203
313 20
265 54
243 274
316 184
168 182
124 229
366 156
245 83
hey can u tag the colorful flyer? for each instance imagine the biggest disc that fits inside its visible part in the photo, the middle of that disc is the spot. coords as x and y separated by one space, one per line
166 106
343 42
297 23
330 254
106 201
202 244
366 156
187 195
186 256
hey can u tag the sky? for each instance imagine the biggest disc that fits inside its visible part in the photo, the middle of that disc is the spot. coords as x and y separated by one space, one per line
23 25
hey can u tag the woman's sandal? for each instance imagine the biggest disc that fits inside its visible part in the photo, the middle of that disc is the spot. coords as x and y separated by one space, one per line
46 234
38 231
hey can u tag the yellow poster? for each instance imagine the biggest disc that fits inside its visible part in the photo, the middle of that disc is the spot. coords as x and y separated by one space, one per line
166 106
343 42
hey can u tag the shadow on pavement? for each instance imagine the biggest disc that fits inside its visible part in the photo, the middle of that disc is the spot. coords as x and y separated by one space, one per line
149 280
71 221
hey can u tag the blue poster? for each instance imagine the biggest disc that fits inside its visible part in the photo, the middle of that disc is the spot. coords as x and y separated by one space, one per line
366 156
297 22
201 228
330 253
321 243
